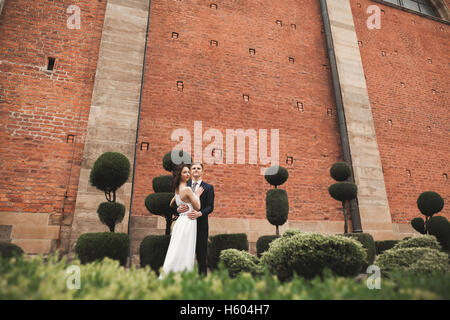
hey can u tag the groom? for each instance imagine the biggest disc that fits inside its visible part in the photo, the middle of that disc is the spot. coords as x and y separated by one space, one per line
207 206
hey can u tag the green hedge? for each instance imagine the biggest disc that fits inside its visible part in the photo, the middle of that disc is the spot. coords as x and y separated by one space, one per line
221 242
416 260
309 255
383 245
96 246
152 251
419 242
368 243
237 261
9 250
262 244
34 279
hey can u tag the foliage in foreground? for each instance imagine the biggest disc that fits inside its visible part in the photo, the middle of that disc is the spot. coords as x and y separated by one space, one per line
35 279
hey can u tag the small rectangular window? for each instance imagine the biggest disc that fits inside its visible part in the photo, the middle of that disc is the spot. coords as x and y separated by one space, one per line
51 63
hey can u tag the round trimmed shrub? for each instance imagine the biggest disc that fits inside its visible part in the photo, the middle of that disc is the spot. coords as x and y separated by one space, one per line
262 244
221 242
340 171
367 242
419 225
98 245
276 175
153 250
162 183
429 203
158 203
310 254
418 260
292 232
111 213
383 245
343 191
419 242
9 250
277 206
237 261
110 171
174 158
439 227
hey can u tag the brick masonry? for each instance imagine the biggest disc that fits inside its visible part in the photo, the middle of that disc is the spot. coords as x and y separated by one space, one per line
40 109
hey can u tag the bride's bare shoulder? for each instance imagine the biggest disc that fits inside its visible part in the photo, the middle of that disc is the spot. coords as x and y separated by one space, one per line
185 190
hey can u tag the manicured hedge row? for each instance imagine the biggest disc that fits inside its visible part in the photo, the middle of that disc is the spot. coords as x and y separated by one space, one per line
23 279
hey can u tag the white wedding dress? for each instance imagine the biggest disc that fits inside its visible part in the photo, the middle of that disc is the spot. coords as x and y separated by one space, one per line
181 252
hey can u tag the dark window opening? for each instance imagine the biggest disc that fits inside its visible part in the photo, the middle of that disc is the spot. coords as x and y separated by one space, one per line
422 6
51 63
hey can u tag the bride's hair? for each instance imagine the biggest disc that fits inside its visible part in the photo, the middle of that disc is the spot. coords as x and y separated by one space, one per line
177 175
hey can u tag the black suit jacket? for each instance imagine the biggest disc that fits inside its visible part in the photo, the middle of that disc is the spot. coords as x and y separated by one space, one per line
207 205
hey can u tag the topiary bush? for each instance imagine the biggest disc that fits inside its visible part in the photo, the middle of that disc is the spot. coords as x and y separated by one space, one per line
419 242
237 261
342 191
419 225
153 250
309 255
162 183
98 245
277 207
276 175
277 202
174 158
439 227
109 172
221 242
262 244
10 250
158 203
430 203
340 171
383 245
417 260
111 213
368 243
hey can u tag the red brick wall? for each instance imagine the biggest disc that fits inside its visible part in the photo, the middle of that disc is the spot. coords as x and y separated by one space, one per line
39 108
215 79
418 139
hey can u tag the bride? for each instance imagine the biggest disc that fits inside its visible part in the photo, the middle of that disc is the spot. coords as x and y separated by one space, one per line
181 252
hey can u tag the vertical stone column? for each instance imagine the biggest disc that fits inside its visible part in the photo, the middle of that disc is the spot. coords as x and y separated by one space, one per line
372 197
2 3
113 116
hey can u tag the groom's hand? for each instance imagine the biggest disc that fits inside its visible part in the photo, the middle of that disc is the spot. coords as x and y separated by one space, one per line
182 208
194 215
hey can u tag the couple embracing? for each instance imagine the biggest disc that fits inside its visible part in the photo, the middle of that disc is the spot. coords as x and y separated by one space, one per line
195 200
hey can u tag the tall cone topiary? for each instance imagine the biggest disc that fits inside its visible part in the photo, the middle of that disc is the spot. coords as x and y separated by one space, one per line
109 172
158 203
277 203
342 190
